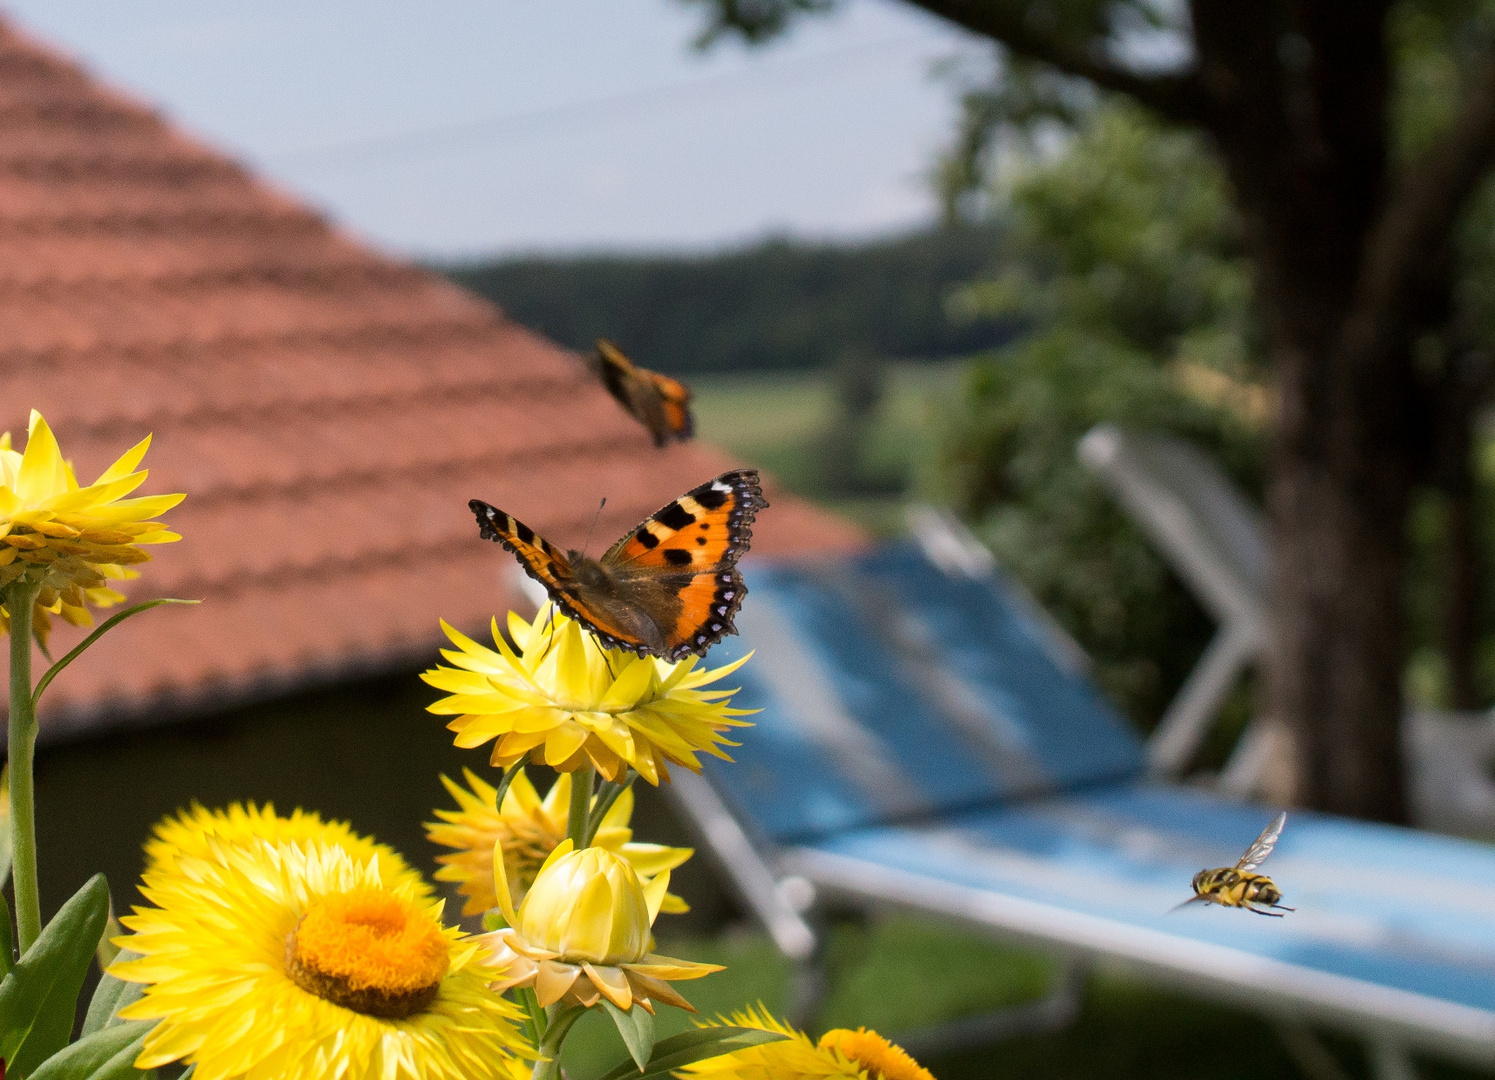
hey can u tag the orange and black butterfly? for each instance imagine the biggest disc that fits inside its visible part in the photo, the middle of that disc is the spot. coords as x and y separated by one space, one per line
668 588
1239 885
660 403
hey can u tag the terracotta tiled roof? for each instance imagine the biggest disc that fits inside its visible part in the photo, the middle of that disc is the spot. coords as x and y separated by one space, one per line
328 411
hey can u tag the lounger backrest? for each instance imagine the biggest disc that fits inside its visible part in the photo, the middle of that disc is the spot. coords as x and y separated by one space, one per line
1191 510
891 690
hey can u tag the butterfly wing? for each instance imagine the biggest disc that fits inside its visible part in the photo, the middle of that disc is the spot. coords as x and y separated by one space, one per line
679 566
1257 853
674 403
660 403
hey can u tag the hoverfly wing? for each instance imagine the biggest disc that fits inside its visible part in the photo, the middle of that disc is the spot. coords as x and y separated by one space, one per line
1257 853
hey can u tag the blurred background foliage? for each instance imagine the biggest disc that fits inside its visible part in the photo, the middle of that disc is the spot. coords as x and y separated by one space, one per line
1125 267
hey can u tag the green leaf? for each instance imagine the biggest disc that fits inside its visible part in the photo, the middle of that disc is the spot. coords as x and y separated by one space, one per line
506 780
636 1025
98 1055
109 624
688 1047
111 996
39 996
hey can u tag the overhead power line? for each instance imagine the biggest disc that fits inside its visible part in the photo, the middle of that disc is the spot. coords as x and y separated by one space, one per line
546 119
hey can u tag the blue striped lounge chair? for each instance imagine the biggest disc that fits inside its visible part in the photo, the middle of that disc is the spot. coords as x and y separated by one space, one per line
929 741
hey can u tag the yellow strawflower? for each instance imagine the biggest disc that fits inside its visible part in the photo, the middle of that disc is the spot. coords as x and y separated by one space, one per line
860 1054
563 700
68 539
290 961
194 833
583 932
528 829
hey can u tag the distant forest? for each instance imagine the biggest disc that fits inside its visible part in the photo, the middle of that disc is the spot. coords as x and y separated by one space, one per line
777 305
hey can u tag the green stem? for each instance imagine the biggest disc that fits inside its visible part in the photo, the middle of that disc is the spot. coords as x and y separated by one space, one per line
606 796
549 1065
19 599
535 1019
581 806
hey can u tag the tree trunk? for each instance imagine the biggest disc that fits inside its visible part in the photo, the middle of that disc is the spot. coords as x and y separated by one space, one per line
1308 161
1338 503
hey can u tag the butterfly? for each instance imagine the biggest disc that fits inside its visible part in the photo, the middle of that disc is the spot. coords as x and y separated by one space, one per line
660 403
669 587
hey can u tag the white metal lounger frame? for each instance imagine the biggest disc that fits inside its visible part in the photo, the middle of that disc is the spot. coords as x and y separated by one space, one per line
1214 538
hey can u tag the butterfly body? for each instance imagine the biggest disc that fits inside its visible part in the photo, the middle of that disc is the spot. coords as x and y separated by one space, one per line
1239 886
660 403
670 587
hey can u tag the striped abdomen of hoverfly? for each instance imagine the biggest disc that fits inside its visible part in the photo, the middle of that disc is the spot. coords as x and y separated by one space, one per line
1236 888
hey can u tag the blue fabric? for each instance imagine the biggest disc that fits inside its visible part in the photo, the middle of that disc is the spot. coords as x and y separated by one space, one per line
1026 726
1385 905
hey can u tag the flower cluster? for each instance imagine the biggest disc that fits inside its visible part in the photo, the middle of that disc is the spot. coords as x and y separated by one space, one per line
856 1055
527 829
558 697
276 947
273 958
583 933
68 541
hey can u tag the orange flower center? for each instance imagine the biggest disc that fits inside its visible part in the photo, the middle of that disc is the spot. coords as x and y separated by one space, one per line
370 951
881 1059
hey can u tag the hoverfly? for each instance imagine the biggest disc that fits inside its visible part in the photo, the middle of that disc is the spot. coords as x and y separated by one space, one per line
1238 886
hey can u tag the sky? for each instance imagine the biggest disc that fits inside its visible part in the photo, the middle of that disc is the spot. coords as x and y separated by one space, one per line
446 129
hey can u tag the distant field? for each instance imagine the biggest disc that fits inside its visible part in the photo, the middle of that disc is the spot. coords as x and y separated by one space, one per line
786 424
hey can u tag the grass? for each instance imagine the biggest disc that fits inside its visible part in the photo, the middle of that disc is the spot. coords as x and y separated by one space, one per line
904 974
789 424
900 975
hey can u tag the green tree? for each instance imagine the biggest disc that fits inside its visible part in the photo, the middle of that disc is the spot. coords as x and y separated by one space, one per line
1126 261
1354 135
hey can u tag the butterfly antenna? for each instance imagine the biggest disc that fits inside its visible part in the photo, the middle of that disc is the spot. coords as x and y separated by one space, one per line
593 527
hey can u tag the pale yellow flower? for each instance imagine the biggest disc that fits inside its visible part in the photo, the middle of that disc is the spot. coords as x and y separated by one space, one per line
70 539
583 933
201 833
561 699
295 962
857 1055
529 828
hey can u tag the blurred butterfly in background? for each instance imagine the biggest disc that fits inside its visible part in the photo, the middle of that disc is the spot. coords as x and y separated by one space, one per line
669 587
660 403
1237 886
